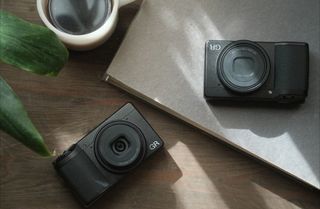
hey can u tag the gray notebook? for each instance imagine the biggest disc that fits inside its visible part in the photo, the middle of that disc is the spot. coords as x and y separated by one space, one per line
161 61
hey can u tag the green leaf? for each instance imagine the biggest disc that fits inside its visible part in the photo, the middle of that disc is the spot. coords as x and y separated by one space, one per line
15 121
30 47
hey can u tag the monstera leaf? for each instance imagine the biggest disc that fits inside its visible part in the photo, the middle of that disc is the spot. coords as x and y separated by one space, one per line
33 48
30 47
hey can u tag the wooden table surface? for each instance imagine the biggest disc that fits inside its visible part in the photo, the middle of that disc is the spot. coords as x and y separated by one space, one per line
194 171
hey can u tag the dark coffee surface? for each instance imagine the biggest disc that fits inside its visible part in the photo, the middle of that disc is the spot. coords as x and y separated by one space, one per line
78 16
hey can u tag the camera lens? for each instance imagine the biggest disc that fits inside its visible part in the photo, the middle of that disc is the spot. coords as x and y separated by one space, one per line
243 66
120 146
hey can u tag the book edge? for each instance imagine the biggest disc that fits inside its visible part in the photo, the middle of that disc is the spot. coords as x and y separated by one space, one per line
117 83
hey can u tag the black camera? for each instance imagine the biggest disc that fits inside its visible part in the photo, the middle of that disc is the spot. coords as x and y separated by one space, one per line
256 71
106 154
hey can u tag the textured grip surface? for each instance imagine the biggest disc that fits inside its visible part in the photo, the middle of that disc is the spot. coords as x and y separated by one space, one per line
83 177
291 67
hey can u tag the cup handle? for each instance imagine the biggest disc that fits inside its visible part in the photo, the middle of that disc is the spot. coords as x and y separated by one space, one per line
125 2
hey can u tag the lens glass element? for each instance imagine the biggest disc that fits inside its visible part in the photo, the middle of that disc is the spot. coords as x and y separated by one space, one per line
120 146
243 66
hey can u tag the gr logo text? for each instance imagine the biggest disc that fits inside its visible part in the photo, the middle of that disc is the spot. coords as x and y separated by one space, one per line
154 145
215 47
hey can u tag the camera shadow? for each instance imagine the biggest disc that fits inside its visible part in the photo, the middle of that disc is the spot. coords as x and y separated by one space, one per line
254 105
286 123
149 185
300 123
221 176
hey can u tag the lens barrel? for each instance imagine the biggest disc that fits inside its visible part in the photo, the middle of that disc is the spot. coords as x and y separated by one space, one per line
243 66
120 146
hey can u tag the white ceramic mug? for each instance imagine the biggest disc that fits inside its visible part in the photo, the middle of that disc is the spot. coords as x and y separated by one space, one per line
86 41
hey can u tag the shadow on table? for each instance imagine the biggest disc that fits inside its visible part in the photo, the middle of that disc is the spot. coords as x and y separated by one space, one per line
241 181
149 185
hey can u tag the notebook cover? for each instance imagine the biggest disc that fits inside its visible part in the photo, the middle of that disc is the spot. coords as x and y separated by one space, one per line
161 61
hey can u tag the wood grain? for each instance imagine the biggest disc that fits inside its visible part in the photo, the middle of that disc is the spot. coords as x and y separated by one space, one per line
194 171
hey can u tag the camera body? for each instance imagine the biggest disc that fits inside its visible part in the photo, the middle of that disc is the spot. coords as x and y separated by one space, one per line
256 71
106 154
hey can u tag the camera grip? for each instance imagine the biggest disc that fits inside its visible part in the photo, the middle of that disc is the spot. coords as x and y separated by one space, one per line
80 173
291 68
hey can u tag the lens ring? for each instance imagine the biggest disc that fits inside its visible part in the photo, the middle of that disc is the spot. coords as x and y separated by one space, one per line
255 75
124 157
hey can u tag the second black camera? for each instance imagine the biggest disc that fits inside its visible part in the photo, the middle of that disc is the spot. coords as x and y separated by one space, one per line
256 71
